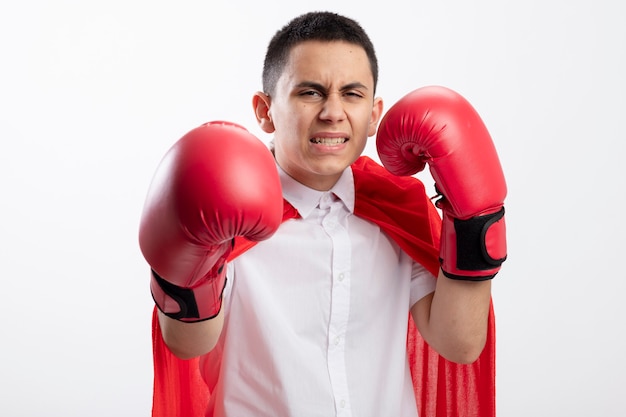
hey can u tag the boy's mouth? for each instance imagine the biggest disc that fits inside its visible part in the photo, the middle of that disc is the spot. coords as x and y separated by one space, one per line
329 141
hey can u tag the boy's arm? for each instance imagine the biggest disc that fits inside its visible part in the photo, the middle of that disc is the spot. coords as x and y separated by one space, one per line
453 319
189 340
436 126
217 182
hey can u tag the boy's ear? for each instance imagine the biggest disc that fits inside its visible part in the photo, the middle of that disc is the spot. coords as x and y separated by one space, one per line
261 104
377 113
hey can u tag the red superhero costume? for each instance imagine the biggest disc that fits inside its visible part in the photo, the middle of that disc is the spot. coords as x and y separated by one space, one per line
400 207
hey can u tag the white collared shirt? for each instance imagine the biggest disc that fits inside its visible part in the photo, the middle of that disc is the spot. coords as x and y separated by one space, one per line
316 317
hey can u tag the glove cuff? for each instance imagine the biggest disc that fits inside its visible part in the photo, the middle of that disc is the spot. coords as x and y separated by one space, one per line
473 249
202 302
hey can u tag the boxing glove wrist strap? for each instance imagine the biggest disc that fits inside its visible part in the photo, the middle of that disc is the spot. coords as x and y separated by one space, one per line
190 305
473 249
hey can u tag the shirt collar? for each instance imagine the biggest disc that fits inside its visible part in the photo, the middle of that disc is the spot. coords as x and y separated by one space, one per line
305 199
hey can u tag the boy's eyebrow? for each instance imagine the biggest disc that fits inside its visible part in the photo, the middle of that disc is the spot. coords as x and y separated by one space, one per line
320 87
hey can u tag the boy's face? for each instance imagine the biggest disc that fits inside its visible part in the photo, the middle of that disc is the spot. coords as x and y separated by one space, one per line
322 111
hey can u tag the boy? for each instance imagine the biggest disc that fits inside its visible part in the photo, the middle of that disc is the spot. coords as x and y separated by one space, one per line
312 320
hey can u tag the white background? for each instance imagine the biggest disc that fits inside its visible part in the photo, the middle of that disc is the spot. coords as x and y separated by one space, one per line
92 93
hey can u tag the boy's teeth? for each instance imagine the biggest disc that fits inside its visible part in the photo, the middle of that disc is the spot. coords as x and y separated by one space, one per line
329 141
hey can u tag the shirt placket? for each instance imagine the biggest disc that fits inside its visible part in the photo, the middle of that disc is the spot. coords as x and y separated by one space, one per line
340 304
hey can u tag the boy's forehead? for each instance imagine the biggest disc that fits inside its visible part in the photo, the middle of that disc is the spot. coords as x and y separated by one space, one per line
334 59
317 47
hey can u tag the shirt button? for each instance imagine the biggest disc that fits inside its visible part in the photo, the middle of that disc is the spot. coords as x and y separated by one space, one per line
341 277
337 340
342 403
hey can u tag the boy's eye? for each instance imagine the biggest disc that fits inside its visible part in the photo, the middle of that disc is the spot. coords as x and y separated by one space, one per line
349 94
353 95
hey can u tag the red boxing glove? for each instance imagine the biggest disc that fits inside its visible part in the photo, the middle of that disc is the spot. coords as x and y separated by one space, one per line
216 182
435 125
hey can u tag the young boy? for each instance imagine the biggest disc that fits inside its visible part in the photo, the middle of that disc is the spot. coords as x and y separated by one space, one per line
276 278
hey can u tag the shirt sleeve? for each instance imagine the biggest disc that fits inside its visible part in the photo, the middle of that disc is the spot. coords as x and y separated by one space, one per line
422 282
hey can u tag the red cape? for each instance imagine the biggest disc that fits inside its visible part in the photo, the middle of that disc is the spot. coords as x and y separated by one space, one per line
400 207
